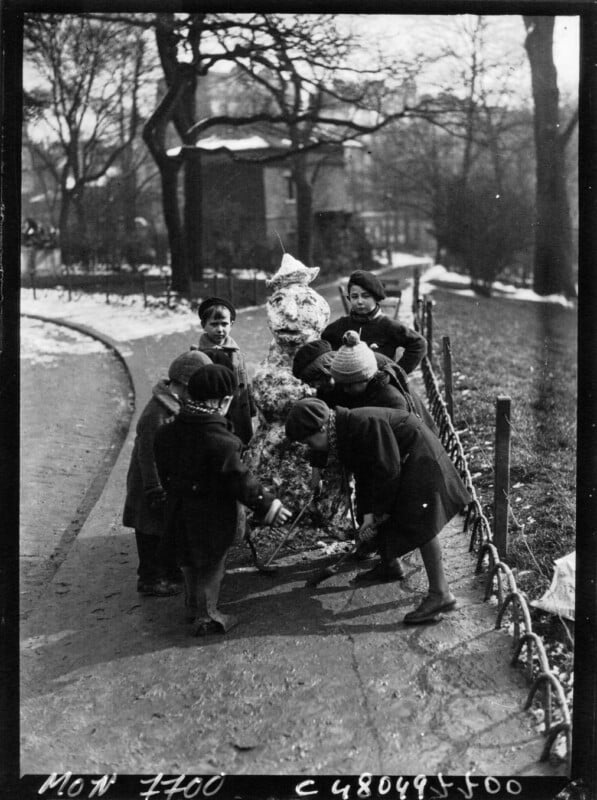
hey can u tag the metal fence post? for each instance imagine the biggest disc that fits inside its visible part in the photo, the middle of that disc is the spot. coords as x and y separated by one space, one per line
31 267
215 283
419 316
416 284
69 283
448 388
231 287
502 475
429 327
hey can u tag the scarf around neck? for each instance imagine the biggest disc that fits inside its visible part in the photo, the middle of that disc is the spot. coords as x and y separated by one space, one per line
205 343
195 407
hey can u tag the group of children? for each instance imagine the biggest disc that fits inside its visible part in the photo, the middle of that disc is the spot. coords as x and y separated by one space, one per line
187 483
186 477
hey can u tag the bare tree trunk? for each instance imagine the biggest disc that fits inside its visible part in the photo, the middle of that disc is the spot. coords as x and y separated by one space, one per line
129 209
178 261
154 135
304 212
193 211
63 229
553 233
82 234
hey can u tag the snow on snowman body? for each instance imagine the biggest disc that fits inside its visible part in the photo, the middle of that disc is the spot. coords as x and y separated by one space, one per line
296 314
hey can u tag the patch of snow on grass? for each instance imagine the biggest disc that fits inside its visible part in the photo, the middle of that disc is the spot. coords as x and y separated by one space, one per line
444 279
41 342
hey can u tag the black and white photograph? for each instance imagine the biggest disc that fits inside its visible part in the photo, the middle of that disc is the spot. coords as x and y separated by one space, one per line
298 402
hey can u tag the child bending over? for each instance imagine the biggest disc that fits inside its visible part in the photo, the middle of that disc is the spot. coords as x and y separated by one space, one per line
407 488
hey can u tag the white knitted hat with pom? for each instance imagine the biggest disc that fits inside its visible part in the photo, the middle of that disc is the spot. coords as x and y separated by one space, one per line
354 361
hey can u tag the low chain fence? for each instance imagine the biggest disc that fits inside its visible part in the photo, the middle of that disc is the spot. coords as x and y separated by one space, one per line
489 545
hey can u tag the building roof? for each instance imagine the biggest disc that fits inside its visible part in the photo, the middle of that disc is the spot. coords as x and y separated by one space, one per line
262 142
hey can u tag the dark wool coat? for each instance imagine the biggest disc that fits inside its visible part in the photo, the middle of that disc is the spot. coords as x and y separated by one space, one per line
199 464
379 393
142 474
399 379
242 408
383 335
389 388
402 469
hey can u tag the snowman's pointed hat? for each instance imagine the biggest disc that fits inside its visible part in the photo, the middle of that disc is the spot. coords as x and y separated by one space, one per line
292 270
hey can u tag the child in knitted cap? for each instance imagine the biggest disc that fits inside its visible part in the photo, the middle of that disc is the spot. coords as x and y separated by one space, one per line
355 369
158 575
217 317
382 334
198 460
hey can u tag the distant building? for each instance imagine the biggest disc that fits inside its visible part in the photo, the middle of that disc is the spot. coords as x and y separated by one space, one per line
249 196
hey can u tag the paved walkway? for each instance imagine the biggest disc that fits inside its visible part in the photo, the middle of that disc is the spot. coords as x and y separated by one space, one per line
76 405
324 681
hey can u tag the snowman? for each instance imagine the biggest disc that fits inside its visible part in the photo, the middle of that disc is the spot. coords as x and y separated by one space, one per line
296 314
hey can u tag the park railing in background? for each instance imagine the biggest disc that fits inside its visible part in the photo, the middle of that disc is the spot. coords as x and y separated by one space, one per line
491 543
242 291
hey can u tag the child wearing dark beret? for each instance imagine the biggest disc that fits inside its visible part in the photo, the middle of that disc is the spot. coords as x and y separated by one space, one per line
199 463
217 317
382 334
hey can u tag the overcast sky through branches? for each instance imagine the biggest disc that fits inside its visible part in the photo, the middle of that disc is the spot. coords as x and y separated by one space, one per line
419 33
407 35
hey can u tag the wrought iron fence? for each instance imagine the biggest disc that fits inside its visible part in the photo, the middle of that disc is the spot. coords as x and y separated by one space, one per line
546 689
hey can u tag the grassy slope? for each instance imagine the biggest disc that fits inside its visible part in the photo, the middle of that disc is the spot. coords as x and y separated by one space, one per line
526 351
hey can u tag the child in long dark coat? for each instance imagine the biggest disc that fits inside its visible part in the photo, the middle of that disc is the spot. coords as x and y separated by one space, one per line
145 496
382 334
407 488
217 318
198 459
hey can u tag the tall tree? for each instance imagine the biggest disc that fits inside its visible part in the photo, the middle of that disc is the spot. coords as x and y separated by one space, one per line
461 168
553 262
302 88
185 43
88 79
309 89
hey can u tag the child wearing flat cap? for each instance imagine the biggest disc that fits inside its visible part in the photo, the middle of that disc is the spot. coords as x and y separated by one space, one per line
382 334
217 317
407 488
199 463
145 496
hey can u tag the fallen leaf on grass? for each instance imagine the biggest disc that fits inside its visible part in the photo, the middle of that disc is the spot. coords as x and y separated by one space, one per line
246 744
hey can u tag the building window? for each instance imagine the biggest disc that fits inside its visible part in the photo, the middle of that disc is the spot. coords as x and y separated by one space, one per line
290 188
